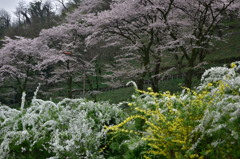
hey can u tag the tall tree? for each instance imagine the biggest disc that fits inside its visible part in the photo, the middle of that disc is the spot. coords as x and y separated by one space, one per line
5 19
178 27
40 11
193 35
137 26
32 18
18 61
21 13
68 54
72 59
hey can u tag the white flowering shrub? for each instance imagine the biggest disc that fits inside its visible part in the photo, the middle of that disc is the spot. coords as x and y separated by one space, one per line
220 124
204 123
73 128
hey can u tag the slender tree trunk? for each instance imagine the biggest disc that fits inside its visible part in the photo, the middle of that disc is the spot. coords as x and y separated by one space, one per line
69 82
84 81
202 55
21 87
91 88
146 60
140 83
19 91
190 72
188 78
98 74
97 82
69 87
155 79
155 84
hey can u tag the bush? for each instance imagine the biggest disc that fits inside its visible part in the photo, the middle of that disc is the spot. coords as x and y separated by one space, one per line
73 128
194 124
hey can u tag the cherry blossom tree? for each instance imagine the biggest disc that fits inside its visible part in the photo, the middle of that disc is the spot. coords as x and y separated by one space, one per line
181 28
68 54
193 35
72 59
136 26
19 60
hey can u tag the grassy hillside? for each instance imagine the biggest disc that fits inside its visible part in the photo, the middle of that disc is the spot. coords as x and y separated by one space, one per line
124 94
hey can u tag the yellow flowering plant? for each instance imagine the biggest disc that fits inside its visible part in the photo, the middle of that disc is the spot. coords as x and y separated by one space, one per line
194 124
233 65
165 122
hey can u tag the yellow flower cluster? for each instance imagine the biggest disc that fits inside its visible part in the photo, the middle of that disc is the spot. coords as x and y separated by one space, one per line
233 65
194 156
150 89
170 127
116 128
150 93
107 144
209 84
170 132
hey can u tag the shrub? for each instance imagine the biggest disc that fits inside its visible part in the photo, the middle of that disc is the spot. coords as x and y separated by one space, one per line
73 128
194 124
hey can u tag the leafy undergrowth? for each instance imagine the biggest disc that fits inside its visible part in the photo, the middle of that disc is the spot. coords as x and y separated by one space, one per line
204 123
194 124
73 128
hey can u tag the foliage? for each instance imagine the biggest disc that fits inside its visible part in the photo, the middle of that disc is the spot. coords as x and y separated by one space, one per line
151 33
193 124
4 22
18 61
153 29
31 18
185 125
67 54
70 129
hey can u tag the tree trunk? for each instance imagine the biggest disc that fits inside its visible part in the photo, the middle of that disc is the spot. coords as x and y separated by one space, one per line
21 88
155 84
202 55
84 81
188 78
140 83
190 72
155 79
97 82
69 81
94 96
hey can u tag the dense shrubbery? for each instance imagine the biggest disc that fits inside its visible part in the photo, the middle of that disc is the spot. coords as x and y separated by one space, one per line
70 129
193 124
